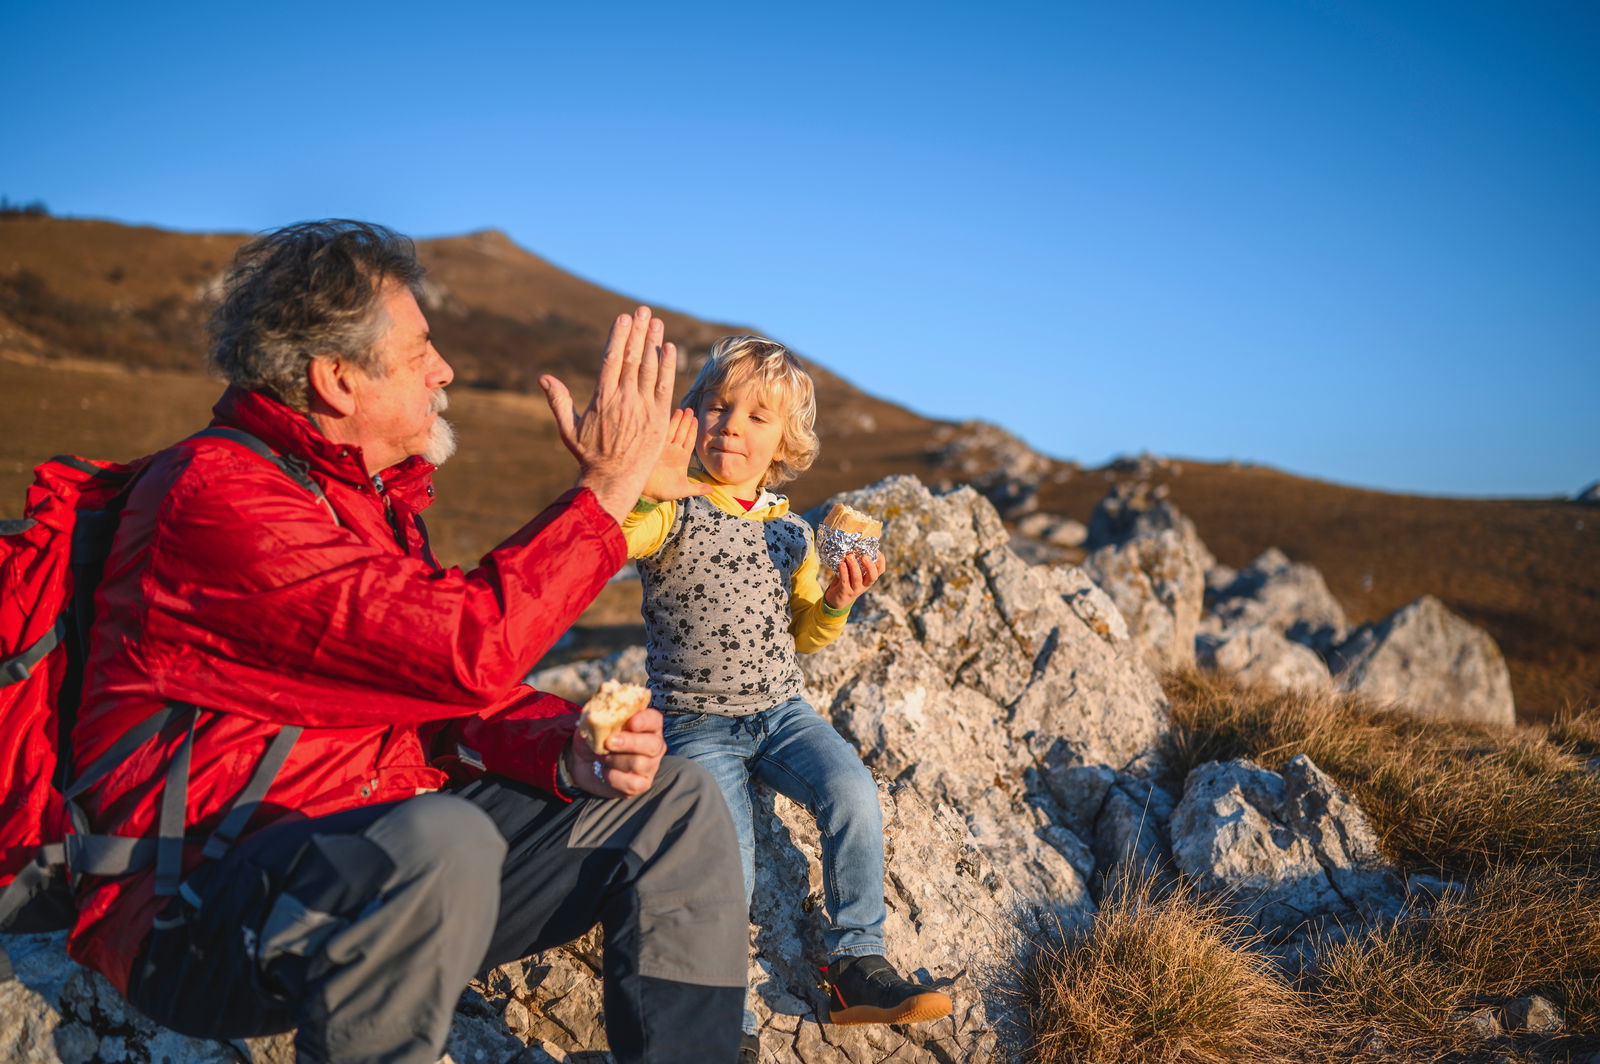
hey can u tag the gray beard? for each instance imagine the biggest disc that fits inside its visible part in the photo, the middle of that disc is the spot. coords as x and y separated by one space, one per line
441 438
441 443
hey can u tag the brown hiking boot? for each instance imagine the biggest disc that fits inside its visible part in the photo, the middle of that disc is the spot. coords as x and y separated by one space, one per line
869 990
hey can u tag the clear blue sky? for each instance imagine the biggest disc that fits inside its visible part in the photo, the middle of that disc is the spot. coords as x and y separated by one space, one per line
1358 240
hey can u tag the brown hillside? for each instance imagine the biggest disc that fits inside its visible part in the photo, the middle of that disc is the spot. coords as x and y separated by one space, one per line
101 329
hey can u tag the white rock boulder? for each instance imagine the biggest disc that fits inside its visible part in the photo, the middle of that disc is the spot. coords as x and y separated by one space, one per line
1428 661
1291 852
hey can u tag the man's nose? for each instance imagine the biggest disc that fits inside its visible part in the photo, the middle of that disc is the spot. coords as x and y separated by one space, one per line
443 374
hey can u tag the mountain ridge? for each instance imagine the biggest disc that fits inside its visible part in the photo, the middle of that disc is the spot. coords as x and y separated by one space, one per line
101 341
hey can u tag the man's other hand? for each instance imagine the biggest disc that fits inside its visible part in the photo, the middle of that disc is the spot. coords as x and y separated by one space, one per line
618 437
628 767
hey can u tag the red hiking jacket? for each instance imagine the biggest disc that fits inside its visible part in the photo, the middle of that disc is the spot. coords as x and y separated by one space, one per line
231 587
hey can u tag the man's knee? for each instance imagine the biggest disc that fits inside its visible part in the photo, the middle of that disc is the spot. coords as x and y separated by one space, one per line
689 791
440 831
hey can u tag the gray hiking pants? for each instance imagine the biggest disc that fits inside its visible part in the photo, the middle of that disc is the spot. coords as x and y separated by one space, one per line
362 928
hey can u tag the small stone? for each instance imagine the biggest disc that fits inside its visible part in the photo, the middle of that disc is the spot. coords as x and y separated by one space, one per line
76 1044
1484 1022
1536 1015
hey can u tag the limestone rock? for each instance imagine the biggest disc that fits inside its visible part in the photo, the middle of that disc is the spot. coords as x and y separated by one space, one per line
1158 584
1430 662
1080 793
56 1012
949 921
997 464
1054 530
1535 1015
1291 852
1260 654
578 680
1132 830
1135 508
1289 596
1023 639
1093 606
1482 1023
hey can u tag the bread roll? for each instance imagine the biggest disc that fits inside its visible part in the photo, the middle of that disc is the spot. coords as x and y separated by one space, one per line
847 530
847 518
609 710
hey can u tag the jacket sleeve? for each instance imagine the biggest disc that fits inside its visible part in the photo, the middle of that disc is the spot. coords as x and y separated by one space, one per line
253 602
646 527
523 741
812 621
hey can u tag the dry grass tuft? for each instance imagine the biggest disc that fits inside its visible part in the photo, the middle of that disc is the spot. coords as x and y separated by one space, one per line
1441 796
1578 730
1519 931
1168 979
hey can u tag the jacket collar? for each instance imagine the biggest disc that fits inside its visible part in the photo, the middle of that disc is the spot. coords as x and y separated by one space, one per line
291 432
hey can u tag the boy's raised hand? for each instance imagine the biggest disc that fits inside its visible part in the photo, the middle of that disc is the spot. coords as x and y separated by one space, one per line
670 478
856 573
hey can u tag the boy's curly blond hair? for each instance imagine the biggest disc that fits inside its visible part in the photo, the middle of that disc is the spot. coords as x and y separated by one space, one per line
785 384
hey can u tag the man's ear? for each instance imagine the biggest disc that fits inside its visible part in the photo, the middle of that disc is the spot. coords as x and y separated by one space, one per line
330 380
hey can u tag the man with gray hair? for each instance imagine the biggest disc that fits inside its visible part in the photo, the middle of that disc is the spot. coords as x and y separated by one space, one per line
358 804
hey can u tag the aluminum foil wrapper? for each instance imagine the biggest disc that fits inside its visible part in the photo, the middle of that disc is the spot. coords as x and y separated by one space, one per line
833 545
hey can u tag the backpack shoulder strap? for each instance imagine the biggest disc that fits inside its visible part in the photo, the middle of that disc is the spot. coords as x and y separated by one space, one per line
293 468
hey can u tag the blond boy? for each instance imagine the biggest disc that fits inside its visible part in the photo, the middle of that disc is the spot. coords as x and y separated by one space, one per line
731 592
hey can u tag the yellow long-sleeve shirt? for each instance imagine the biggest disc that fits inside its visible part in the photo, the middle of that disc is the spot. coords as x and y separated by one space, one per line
730 596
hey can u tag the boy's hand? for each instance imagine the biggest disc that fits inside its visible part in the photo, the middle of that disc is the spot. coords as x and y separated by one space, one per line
670 478
856 573
628 768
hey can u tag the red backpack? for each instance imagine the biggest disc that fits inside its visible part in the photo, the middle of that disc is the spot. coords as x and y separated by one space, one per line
51 562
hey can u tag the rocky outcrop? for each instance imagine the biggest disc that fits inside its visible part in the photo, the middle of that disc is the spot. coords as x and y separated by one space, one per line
1009 704
56 1012
1260 654
1289 596
1290 852
1158 583
1429 662
965 665
995 463
1590 495
1135 508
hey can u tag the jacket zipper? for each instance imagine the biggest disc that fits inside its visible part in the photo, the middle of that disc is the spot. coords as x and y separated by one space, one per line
389 514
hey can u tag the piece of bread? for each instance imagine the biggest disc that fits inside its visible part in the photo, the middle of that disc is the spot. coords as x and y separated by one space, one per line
609 710
849 519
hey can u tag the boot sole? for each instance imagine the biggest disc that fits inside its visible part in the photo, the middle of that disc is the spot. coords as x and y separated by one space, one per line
920 1009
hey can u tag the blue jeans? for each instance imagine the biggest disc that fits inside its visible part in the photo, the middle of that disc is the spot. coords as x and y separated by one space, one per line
798 754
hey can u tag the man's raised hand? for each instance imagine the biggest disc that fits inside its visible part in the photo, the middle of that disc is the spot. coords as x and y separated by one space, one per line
617 440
